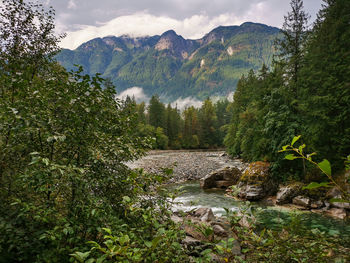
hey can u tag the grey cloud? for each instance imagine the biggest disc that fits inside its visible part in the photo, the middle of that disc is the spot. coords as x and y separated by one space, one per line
91 12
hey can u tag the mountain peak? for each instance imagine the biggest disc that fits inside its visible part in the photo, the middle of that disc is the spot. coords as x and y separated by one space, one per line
175 43
169 33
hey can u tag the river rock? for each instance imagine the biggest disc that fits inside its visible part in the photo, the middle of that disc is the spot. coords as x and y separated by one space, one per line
256 182
204 214
334 192
337 213
286 193
192 231
176 219
190 241
302 201
317 204
219 231
222 178
327 205
344 205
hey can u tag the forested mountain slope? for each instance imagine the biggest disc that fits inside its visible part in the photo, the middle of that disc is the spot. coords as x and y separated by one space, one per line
174 67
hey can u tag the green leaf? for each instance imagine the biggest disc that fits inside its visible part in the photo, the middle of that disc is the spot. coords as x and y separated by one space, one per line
46 161
156 240
301 147
126 199
148 244
107 230
124 239
290 157
315 185
101 259
284 148
80 256
325 166
295 139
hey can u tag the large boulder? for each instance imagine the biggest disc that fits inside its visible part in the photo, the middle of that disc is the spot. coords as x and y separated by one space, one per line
256 183
222 178
286 193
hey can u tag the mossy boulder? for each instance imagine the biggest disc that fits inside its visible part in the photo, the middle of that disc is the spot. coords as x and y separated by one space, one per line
256 182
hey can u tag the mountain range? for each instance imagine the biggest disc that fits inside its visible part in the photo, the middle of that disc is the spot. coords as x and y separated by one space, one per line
174 67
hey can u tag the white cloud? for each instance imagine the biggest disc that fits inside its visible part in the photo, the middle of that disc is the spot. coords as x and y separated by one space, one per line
230 96
192 19
181 103
135 92
142 24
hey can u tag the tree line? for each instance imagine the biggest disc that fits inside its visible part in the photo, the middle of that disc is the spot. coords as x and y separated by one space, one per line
193 128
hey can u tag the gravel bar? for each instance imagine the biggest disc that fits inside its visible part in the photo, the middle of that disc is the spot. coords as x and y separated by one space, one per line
187 165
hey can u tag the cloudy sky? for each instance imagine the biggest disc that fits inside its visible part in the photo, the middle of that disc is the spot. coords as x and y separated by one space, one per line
83 20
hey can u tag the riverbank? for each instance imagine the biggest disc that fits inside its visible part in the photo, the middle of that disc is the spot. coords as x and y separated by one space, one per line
187 164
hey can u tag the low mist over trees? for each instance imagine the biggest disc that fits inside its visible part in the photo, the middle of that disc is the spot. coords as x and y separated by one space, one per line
191 128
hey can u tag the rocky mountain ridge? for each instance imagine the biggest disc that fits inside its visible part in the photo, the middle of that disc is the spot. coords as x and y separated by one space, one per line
176 67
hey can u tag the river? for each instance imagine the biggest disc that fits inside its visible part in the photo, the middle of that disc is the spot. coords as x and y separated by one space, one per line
193 165
271 217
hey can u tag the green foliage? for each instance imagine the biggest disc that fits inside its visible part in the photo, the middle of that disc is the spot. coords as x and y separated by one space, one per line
64 141
207 122
156 113
305 92
292 243
147 235
324 166
326 93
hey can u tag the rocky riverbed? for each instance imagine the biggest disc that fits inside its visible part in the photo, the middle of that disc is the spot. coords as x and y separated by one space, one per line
187 165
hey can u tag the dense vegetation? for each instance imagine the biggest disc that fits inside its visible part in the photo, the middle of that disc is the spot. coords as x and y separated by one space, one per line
65 139
192 128
199 68
306 92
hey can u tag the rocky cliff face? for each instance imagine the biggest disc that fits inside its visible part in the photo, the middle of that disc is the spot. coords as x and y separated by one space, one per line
177 45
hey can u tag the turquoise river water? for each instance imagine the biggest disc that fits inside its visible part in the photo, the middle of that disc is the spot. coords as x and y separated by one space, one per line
271 217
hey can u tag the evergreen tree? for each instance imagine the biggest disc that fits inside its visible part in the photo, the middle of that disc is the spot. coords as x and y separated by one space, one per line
207 123
291 46
141 114
173 126
156 113
223 118
191 128
326 87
